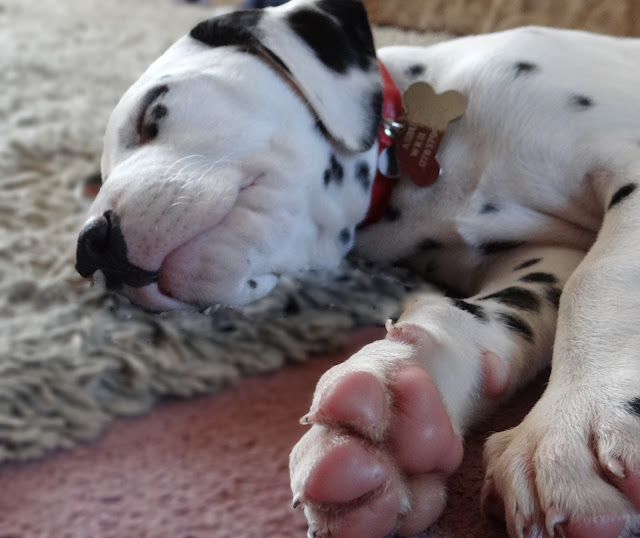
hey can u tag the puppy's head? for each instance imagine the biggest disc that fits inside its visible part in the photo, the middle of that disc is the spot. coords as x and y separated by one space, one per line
238 156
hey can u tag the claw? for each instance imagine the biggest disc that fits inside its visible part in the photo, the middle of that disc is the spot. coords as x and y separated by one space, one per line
520 523
615 467
491 502
389 324
297 501
309 418
552 518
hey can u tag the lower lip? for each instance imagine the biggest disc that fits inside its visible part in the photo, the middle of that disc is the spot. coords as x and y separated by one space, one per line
153 298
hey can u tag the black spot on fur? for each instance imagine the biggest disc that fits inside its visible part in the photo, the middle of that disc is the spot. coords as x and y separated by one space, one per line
540 277
252 283
158 112
345 235
341 40
495 247
527 263
523 68
517 325
581 101
374 123
336 169
476 310
553 296
363 175
516 297
148 131
429 244
392 213
634 406
622 193
152 95
334 173
416 70
489 208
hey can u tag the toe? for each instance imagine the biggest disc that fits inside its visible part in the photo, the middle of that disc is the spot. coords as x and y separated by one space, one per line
630 486
428 496
375 518
492 504
422 437
596 527
356 399
346 471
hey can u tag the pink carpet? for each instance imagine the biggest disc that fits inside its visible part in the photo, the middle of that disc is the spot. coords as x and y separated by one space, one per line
213 467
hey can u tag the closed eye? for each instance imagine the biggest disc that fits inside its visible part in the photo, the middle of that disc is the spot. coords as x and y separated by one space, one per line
149 114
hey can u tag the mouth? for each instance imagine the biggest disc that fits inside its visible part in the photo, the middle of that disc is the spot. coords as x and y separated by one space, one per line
102 250
152 297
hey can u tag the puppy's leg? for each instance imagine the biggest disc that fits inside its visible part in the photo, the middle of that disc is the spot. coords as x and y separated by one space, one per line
572 467
387 425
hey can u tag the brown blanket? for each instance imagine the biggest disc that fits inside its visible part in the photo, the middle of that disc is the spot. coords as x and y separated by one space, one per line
619 17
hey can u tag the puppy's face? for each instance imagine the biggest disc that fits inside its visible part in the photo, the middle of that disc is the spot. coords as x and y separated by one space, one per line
213 168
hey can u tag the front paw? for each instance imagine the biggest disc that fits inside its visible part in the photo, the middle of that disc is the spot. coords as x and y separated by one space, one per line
379 449
571 469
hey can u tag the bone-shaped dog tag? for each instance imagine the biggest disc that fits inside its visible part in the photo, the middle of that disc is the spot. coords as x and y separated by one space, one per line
427 115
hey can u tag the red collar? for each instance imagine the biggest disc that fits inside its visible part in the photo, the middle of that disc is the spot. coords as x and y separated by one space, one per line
382 185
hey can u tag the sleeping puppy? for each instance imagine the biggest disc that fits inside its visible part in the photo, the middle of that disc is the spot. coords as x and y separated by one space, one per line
250 149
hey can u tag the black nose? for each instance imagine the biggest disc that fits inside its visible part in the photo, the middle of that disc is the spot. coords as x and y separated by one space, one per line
93 250
101 247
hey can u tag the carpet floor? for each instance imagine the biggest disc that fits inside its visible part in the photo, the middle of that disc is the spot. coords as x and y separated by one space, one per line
210 467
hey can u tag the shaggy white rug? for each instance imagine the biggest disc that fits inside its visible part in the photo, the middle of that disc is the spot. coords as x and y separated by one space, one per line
72 357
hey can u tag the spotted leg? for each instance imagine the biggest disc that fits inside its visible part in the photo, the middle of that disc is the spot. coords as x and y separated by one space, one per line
387 425
572 467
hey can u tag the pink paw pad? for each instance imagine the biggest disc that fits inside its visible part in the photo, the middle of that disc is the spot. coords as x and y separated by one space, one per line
422 438
597 527
607 525
356 400
377 456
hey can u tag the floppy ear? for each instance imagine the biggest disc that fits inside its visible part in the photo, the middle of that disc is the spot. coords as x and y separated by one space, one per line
326 48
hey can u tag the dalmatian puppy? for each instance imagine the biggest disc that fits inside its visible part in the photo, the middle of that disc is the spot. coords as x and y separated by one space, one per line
249 149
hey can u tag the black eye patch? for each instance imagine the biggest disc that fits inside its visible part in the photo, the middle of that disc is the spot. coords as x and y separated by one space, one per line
148 115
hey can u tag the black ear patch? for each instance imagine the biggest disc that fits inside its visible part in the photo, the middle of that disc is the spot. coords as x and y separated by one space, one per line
237 28
338 34
313 42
